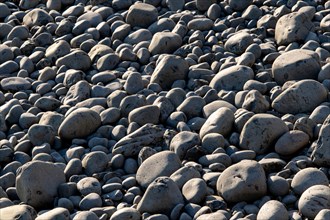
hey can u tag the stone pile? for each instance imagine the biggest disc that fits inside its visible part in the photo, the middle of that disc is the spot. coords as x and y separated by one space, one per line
164 110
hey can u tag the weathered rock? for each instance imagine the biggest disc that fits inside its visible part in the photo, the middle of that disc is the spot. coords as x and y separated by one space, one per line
238 43
301 97
37 183
293 27
163 164
260 132
78 60
291 142
238 5
182 142
221 122
15 84
321 153
131 144
40 134
296 65
141 15
306 178
56 213
244 181
18 212
313 200
169 69
79 123
232 78
37 17
145 114
164 42
161 196
272 210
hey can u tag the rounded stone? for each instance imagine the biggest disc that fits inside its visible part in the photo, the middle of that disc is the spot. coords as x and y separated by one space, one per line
79 123
161 196
313 200
260 132
37 183
238 43
163 164
306 178
296 65
141 15
244 181
291 142
273 210
194 190
301 97
232 78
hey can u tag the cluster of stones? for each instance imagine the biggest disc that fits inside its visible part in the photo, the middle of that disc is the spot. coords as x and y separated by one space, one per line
164 109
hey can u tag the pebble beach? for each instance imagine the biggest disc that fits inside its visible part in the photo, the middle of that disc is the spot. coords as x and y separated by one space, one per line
164 110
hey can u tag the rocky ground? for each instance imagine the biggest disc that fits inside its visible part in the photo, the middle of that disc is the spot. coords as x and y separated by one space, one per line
164 109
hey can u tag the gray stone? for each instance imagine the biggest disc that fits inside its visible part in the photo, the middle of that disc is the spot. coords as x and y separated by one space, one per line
145 114
203 5
95 162
321 153
175 5
272 210
278 186
131 144
92 17
25 4
323 214
57 50
164 42
184 174
161 196
56 213
221 122
182 142
4 10
238 43
293 27
90 201
202 24
192 106
313 200
306 178
89 185
163 164
301 97
296 65
169 69
15 84
40 134
6 53
126 213
325 23
244 181
141 15
195 190
260 132
86 215
37 17
18 212
291 142
79 123
77 59
37 183
239 5
232 78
